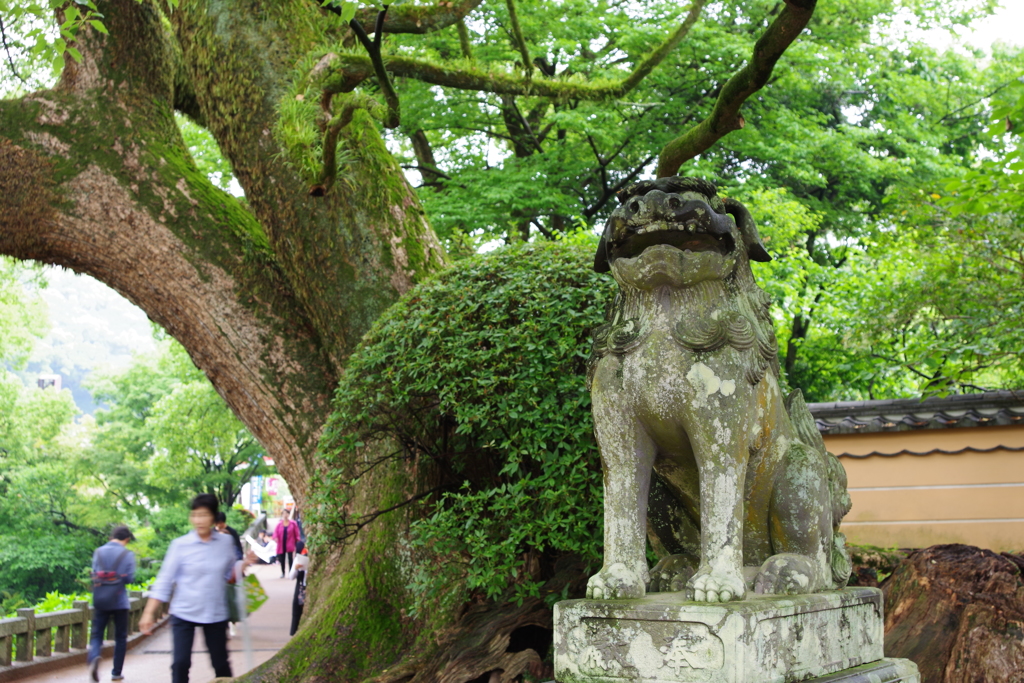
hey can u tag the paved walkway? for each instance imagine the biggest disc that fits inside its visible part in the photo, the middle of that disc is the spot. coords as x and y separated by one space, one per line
150 662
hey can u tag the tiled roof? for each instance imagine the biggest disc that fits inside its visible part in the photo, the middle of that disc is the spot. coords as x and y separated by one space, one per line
907 414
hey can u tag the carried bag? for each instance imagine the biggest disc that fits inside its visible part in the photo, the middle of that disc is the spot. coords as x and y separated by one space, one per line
107 585
236 611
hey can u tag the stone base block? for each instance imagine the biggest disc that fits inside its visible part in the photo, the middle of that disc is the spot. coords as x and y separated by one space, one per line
764 639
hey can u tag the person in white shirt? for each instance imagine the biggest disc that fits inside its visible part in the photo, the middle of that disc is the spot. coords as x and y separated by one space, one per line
198 567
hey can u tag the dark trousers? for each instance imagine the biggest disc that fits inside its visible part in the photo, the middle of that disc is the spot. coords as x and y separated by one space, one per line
281 558
100 617
216 636
297 607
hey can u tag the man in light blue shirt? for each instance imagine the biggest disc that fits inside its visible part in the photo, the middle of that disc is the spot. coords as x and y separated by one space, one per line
198 566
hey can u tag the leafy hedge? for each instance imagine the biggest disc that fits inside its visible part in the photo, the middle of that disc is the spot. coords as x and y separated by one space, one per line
481 370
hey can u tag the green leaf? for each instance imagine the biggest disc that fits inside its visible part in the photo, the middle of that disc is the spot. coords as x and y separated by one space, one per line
348 11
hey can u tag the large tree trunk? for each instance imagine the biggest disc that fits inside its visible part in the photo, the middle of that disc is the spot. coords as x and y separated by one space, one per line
269 301
269 296
958 612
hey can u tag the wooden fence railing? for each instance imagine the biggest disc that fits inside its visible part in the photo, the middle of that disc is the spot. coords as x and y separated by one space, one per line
29 636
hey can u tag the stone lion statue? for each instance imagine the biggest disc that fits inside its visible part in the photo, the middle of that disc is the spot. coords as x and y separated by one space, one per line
730 480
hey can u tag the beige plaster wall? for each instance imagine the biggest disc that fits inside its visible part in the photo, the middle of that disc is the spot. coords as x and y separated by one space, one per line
908 493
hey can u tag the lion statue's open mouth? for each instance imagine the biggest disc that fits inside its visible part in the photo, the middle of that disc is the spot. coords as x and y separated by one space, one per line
682 213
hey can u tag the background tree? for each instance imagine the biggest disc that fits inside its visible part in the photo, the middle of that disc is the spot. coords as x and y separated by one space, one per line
887 117
123 446
48 532
65 481
165 436
200 446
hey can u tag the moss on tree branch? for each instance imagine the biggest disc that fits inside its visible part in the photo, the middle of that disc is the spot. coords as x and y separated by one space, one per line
348 70
517 35
392 115
417 18
725 116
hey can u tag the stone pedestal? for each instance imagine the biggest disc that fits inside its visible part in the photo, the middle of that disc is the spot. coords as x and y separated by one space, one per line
835 636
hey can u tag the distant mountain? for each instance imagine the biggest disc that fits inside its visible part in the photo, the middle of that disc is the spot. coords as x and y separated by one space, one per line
92 328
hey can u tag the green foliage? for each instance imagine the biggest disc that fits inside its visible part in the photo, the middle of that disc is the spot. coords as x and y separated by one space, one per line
10 602
30 418
37 46
481 372
167 435
828 118
996 183
168 524
21 310
857 111
200 444
948 301
55 601
37 564
122 446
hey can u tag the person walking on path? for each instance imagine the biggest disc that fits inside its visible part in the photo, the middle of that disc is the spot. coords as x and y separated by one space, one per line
198 567
286 535
113 568
221 525
300 570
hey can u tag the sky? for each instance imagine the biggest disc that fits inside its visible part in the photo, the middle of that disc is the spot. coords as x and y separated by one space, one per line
1006 25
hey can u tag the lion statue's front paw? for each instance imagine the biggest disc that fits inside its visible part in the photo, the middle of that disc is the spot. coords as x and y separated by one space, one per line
616 582
671 574
786 574
717 585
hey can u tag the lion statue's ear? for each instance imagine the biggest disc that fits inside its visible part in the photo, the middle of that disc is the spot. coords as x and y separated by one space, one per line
601 264
748 229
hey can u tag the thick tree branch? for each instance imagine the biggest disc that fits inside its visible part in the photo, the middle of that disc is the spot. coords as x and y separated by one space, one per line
725 117
348 70
517 36
652 60
387 88
464 43
348 256
135 213
329 172
7 49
